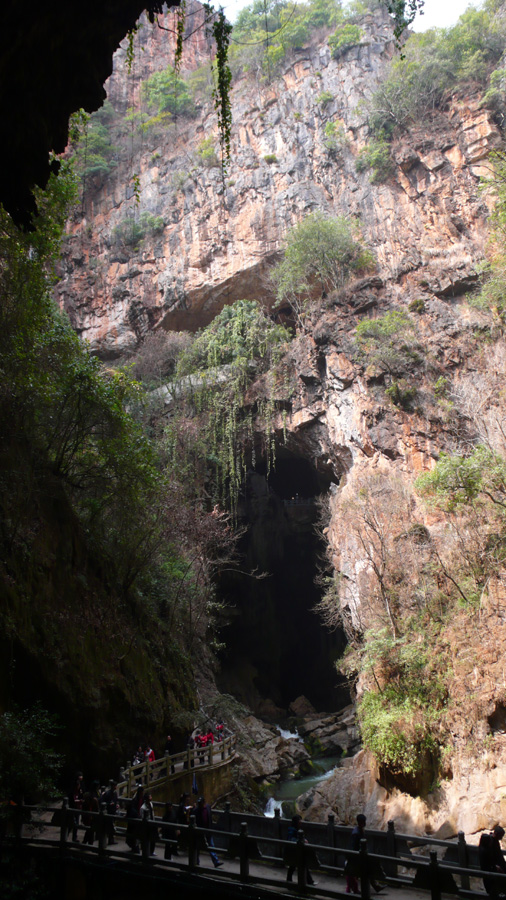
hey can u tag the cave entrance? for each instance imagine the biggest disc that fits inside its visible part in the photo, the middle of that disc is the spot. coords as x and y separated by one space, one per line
276 648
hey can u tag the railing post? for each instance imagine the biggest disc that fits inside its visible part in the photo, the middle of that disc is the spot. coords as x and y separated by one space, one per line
145 839
300 855
331 836
211 754
227 818
147 772
64 823
102 832
189 761
390 867
363 867
243 847
129 770
463 860
435 887
277 832
192 844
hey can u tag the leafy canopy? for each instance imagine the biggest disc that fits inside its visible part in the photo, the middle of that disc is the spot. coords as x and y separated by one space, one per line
320 253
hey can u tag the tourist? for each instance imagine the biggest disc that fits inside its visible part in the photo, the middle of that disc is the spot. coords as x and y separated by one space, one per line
111 801
170 831
293 835
204 820
149 754
148 815
90 805
351 868
133 819
138 756
220 730
492 860
168 751
75 801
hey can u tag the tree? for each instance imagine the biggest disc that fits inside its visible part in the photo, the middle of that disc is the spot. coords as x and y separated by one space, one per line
320 253
29 763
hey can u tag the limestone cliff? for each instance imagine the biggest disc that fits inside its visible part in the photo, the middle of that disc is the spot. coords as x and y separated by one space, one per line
427 227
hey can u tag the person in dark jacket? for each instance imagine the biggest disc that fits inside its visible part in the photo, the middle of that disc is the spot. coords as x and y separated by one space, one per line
90 805
293 835
204 819
75 801
133 820
492 860
111 802
170 831
351 867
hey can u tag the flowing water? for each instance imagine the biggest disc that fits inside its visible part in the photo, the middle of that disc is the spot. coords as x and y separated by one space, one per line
294 787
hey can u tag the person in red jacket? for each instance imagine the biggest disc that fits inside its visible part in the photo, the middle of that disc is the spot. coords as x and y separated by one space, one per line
149 754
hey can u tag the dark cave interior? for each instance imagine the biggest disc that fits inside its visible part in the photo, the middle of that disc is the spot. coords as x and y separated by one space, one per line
276 647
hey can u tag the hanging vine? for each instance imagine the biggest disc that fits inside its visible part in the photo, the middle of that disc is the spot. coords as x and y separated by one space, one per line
225 390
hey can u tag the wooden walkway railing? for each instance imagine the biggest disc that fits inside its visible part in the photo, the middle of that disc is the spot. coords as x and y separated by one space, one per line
154 773
256 854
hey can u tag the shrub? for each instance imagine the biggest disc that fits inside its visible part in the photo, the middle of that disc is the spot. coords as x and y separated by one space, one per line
321 252
345 36
385 342
376 156
206 153
270 158
417 306
401 394
324 98
434 63
130 232
166 92
335 138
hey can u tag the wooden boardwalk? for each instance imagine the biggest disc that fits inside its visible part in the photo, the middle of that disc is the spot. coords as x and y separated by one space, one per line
256 864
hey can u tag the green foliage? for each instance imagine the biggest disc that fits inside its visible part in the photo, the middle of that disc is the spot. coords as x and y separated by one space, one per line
402 394
495 95
441 387
166 92
346 35
335 139
270 158
212 379
376 156
206 153
29 763
457 481
493 293
398 717
265 32
95 153
417 305
200 83
131 231
386 342
324 98
434 63
320 253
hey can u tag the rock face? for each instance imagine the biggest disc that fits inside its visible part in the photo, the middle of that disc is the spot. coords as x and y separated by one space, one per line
220 235
427 228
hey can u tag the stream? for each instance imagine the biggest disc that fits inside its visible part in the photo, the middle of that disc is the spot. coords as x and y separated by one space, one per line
292 788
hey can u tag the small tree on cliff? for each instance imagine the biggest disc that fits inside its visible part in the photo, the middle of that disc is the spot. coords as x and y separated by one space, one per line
321 253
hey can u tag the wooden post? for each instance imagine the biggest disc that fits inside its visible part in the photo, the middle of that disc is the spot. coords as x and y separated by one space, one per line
363 866
145 839
129 770
100 823
211 754
391 868
277 832
147 772
463 860
192 844
300 855
331 836
243 846
64 823
227 818
189 760
435 888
